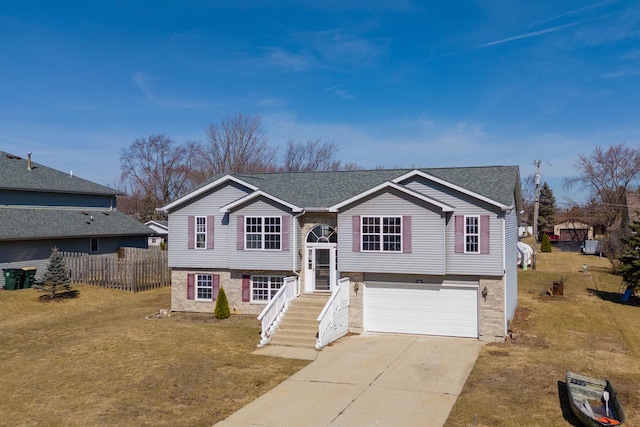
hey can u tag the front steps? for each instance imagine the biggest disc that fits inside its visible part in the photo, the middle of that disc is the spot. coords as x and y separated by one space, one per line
299 326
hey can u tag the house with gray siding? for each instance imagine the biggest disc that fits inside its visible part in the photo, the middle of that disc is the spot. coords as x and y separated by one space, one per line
422 251
42 208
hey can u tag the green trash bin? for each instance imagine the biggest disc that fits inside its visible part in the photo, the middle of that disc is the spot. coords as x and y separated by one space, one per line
13 278
29 277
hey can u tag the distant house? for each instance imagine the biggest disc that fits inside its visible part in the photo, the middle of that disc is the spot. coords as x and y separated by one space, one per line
424 251
42 208
575 231
160 232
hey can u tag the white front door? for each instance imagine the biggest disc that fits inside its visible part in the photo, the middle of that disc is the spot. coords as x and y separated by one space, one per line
320 267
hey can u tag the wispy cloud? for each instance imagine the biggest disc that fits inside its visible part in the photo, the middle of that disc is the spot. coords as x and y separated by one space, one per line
531 34
143 82
622 73
340 92
573 12
279 57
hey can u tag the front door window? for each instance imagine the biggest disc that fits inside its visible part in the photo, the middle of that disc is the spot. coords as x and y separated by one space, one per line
323 269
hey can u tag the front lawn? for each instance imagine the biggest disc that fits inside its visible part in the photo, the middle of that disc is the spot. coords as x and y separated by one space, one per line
520 382
96 361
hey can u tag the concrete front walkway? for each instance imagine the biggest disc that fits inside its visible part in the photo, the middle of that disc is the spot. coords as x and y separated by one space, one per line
368 380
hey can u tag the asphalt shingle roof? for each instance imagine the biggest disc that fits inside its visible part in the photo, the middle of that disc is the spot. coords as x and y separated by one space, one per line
325 189
15 175
24 223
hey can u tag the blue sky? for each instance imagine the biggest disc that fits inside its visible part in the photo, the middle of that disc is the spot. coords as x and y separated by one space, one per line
394 83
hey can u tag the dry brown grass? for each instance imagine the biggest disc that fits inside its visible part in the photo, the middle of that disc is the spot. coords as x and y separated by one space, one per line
588 330
96 361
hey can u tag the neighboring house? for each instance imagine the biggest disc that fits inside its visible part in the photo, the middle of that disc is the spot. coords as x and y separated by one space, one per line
426 251
42 208
160 232
573 231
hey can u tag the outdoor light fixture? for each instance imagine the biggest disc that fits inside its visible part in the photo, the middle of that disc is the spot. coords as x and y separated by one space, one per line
485 292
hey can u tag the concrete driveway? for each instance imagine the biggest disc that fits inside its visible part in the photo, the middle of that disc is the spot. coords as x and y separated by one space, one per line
368 380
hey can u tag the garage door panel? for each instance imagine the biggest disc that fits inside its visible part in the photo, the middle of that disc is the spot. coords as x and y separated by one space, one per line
421 309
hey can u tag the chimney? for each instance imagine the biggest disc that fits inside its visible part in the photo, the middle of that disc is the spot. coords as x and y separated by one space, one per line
28 161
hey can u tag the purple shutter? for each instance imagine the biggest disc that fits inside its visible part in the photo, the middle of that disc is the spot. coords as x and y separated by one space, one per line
355 233
246 288
484 234
191 286
406 234
285 232
210 224
240 233
459 239
191 231
215 283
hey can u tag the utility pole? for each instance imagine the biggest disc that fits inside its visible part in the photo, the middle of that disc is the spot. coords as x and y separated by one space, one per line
536 207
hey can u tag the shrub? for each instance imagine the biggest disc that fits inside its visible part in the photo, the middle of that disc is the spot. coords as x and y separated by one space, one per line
546 243
222 306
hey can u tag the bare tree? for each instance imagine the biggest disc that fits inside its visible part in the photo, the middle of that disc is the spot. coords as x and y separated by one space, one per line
311 156
608 174
154 171
237 144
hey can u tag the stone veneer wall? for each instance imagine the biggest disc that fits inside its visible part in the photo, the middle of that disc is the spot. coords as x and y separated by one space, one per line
356 285
492 308
231 281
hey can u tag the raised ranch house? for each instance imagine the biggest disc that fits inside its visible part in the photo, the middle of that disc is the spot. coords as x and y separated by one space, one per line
425 251
41 208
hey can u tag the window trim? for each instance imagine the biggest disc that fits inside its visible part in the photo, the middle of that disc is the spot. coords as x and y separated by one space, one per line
197 285
263 233
381 234
269 289
466 235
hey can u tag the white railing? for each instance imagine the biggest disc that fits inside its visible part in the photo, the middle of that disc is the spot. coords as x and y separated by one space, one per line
334 318
274 311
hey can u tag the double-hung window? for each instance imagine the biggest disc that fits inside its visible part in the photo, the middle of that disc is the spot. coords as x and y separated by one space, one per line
472 234
204 287
381 234
263 288
263 232
201 232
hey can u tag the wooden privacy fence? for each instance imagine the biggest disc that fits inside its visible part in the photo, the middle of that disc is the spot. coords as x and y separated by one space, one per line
131 269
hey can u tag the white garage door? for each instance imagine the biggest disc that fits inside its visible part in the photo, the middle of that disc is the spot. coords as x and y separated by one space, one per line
421 309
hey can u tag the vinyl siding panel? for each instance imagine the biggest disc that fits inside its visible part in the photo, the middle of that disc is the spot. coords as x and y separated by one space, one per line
267 260
460 263
207 205
511 259
427 240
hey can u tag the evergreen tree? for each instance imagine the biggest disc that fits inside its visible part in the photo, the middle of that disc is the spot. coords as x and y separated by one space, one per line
547 209
629 266
222 306
545 246
56 278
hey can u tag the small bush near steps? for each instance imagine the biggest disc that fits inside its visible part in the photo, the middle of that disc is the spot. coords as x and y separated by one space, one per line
222 306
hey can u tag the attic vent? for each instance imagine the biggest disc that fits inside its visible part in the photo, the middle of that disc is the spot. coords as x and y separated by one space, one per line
12 157
85 213
105 213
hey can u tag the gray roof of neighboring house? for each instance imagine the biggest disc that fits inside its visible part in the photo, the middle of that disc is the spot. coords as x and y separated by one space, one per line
325 189
15 175
24 223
